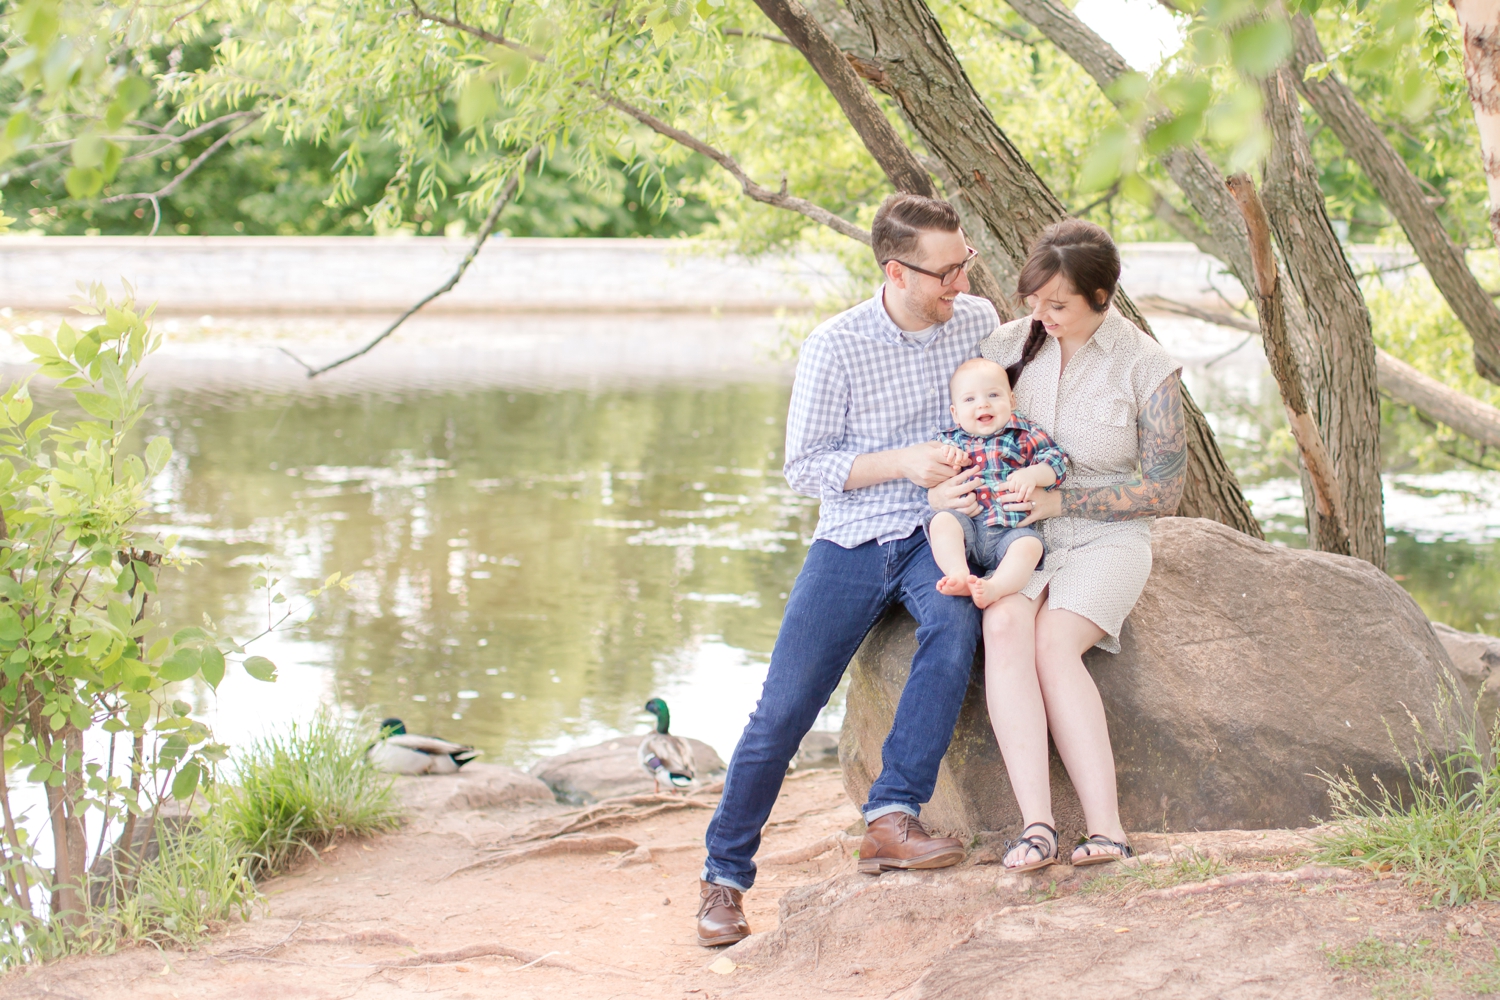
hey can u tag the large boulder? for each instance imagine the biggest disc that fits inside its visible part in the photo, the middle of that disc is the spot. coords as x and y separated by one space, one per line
611 768
1476 661
476 786
1247 673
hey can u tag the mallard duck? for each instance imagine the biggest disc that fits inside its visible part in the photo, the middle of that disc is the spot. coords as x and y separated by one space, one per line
403 753
664 756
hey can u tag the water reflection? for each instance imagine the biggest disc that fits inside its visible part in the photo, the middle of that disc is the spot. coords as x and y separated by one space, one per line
527 567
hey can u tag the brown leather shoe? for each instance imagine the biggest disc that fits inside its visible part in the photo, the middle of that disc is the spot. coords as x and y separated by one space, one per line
721 920
897 840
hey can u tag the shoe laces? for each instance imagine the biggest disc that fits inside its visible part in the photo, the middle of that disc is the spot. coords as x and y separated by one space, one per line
717 895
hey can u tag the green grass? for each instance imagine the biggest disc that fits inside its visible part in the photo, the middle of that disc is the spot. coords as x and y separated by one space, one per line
1397 970
302 789
1443 834
1190 867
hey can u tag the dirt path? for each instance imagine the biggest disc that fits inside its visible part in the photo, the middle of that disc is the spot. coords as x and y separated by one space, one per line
377 919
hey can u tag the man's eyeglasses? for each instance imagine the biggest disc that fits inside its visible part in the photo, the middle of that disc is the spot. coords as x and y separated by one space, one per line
947 277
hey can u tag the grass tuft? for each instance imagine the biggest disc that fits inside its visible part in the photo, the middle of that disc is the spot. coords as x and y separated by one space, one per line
1141 876
199 880
300 790
1443 835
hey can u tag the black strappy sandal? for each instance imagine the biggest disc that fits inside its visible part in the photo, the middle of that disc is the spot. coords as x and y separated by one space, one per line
1036 842
1100 840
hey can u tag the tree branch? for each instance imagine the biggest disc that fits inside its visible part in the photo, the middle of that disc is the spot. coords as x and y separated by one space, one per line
757 192
1336 104
187 172
506 194
477 32
1332 526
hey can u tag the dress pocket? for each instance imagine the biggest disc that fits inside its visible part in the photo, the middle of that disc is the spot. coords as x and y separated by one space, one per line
1113 410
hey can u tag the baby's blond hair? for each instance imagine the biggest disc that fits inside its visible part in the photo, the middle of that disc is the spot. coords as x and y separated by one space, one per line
971 364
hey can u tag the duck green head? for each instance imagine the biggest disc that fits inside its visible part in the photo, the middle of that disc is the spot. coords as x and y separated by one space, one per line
392 727
658 708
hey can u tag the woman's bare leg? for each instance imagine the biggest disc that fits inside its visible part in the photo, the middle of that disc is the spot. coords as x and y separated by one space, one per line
1017 711
1075 714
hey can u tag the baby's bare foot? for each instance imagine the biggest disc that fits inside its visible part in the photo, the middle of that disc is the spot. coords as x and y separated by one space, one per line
987 591
954 586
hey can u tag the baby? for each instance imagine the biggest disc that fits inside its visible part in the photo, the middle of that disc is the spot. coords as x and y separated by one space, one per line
1011 455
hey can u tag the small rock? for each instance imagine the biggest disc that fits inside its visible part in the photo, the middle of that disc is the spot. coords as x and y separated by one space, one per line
477 786
819 749
640 856
611 768
723 965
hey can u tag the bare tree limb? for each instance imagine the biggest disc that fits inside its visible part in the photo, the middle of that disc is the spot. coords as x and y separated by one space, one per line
1331 522
506 194
477 32
1405 385
187 172
1335 103
755 191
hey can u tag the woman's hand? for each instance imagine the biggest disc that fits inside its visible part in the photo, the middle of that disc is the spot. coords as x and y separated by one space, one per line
1043 504
956 494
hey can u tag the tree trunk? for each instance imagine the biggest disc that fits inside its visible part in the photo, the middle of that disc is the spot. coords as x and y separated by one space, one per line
1344 395
1479 20
1225 238
914 63
1333 536
879 136
1335 104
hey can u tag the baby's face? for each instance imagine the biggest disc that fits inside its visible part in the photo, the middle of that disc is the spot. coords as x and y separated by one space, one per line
981 400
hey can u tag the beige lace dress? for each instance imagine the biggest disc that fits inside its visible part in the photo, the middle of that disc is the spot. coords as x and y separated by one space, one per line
1096 569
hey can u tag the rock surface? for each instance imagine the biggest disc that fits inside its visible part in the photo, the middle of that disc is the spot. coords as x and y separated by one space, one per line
607 769
1476 662
1247 671
819 749
477 786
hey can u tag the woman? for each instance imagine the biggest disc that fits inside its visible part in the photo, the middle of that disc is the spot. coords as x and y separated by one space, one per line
1110 396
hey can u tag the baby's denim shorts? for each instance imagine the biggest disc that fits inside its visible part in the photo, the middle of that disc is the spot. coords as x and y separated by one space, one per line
984 544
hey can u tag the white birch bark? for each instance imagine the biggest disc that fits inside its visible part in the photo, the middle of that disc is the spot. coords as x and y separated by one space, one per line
1479 20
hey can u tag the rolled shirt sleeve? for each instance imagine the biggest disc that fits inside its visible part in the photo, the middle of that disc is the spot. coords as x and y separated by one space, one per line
1048 451
817 459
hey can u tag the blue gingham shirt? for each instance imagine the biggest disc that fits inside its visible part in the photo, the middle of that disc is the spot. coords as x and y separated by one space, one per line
862 386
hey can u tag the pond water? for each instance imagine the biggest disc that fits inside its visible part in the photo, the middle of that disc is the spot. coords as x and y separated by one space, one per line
542 533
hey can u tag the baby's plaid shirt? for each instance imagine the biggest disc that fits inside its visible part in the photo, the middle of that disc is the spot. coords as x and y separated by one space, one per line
1017 445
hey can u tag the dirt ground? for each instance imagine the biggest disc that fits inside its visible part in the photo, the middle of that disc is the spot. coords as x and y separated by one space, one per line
1240 915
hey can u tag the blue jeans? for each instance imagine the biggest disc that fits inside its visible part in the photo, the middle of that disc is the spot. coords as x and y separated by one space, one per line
838 597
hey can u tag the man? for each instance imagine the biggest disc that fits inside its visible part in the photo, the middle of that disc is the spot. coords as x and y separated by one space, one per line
870 396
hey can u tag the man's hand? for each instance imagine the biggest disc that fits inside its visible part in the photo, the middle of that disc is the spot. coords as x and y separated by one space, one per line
1042 505
929 463
956 493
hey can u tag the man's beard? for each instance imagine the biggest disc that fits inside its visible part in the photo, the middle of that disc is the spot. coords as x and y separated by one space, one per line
933 310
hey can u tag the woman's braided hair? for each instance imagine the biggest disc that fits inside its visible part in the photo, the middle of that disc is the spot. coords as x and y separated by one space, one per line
1085 256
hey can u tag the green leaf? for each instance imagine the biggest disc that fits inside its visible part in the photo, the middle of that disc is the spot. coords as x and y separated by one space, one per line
83 182
89 150
9 588
1258 49
67 337
260 668
98 405
158 454
157 648
476 102
40 346
190 634
186 782
10 623
182 664
213 666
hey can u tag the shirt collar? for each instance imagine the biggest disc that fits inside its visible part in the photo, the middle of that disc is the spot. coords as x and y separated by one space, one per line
1108 334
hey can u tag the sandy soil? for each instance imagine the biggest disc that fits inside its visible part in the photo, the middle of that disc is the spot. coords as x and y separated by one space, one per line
378 919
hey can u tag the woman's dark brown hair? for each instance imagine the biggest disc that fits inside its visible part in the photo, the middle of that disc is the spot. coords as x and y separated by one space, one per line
1087 259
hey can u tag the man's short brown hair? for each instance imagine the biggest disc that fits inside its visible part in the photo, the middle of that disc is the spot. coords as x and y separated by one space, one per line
900 221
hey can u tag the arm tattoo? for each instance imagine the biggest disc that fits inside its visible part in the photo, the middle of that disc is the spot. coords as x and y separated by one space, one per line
1163 442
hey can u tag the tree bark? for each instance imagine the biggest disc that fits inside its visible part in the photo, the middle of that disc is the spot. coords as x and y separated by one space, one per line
1335 104
914 63
1479 20
1343 392
1333 536
1223 231
879 136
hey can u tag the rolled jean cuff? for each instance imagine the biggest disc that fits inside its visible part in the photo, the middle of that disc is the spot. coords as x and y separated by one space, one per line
872 813
708 876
